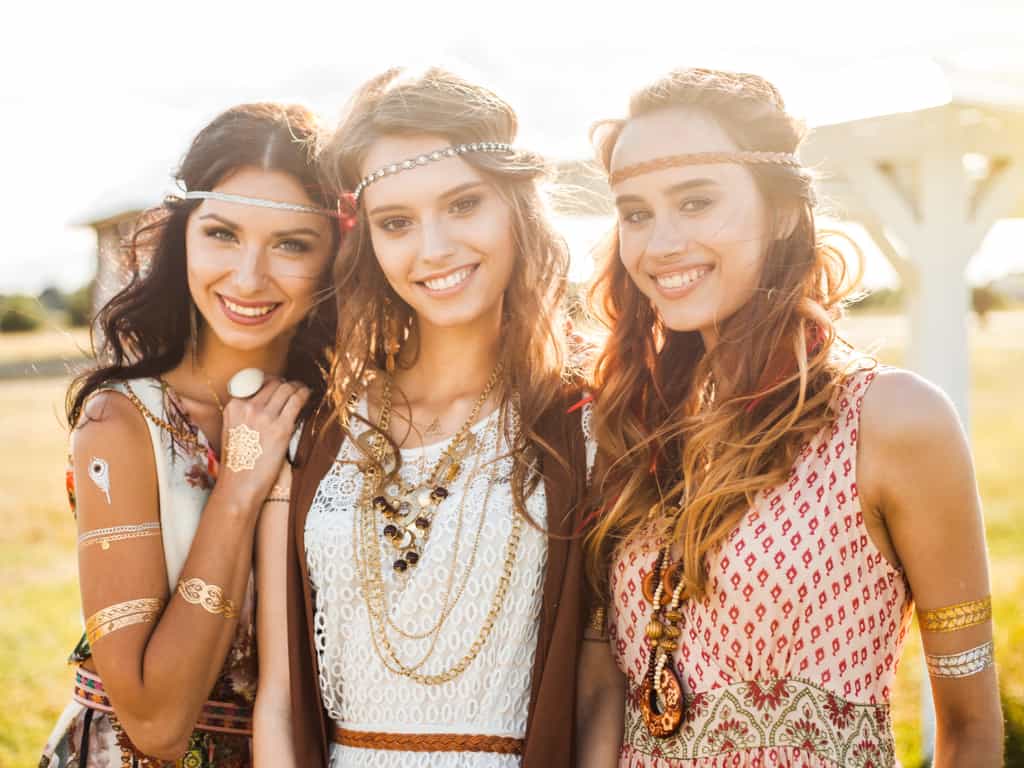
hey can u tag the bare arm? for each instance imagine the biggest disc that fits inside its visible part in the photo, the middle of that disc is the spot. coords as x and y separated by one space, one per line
272 721
600 703
159 666
917 475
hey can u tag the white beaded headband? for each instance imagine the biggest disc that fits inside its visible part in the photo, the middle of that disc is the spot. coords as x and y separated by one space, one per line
430 157
260 202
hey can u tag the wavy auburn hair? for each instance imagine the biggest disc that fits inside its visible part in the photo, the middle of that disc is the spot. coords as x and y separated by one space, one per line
440 103
145 326
689 437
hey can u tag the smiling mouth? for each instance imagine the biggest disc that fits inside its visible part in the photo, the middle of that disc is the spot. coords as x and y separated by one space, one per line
249 311
449 281
674 281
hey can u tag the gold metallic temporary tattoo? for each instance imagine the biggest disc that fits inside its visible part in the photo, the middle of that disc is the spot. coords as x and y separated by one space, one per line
959 616
210 597
106 536
121 615
596 624
99 473
965 664
244 448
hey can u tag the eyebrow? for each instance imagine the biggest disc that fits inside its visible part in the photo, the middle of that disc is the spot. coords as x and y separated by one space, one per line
456 190
279 233
675 189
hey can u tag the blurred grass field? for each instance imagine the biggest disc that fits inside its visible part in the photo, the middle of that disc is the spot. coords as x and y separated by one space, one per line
39 620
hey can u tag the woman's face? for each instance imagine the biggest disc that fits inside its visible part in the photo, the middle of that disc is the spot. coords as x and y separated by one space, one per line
692 238
253 272
441 233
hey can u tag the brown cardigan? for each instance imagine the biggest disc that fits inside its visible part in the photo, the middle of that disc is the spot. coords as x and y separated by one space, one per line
550 724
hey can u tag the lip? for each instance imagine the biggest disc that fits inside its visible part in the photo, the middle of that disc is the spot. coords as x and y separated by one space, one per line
451 290
241 319
676 292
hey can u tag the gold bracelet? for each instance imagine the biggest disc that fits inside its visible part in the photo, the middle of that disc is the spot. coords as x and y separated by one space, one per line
209 596
954 617
597 623
121 615
965 664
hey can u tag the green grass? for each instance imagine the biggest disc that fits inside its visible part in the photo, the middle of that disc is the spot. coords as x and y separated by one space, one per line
39 596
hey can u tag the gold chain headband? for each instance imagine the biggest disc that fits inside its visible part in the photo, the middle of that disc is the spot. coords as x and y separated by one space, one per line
703 158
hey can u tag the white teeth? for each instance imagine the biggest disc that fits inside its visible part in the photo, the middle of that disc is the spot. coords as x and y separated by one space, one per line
238 309
449 281
680 279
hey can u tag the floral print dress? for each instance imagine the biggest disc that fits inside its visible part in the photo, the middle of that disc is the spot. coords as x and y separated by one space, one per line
88 734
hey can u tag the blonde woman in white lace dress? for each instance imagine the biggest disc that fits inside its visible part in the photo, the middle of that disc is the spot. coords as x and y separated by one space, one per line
432 619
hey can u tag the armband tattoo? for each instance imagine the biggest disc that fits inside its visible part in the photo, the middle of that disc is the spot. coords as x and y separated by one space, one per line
121 615
954 617
209 597
106 536
965 664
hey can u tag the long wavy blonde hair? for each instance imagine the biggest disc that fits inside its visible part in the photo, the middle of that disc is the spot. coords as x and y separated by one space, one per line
440 103
689 437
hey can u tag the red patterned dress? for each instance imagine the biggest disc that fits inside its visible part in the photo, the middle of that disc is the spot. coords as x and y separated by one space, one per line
790 659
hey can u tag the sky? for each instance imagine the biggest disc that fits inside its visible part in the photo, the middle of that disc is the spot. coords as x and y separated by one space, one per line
100 100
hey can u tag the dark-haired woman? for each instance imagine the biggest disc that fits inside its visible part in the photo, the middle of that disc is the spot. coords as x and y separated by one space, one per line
777 504
170 466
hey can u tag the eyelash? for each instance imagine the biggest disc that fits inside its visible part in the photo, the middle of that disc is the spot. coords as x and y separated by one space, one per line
225 235
461 207
638 217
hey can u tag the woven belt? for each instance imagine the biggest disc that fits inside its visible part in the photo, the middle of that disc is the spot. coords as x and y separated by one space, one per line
217 716
427 742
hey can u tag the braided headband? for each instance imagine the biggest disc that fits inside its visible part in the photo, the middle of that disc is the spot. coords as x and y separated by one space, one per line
431 157
703 158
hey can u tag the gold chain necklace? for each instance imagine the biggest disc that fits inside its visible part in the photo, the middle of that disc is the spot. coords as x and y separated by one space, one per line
368 561
409 511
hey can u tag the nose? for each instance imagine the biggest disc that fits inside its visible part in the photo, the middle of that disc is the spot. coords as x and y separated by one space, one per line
251 274
668 238
437 244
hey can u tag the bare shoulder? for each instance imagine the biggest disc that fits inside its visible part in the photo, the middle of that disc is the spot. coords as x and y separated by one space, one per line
902 411
109 418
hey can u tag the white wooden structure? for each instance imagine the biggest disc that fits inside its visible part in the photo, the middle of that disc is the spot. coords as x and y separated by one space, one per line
928 186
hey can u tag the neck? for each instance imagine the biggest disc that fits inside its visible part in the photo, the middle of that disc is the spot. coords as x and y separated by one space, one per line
218 362
452 362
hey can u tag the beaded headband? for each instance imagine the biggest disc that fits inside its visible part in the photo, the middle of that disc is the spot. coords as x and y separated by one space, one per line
260 202
438 154
703 158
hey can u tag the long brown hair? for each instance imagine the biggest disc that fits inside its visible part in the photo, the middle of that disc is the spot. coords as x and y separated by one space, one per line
145 326
440 103
688 437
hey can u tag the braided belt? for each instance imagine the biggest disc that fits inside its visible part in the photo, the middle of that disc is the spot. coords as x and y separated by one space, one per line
217 716
427 742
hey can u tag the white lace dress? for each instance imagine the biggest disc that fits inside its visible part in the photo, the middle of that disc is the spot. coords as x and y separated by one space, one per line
491 697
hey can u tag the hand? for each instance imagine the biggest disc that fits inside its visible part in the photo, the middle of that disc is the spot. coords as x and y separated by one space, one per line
255 440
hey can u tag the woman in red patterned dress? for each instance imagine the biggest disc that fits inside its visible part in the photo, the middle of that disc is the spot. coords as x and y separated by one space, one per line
773 504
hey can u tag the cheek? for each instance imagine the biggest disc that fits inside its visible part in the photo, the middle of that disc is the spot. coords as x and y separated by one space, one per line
630 251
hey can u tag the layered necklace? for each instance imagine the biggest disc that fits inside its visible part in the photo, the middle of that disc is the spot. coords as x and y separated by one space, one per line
403 514
408 510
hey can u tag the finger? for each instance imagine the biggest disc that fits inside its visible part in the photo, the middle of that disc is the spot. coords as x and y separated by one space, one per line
280 397
293 407
266 392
